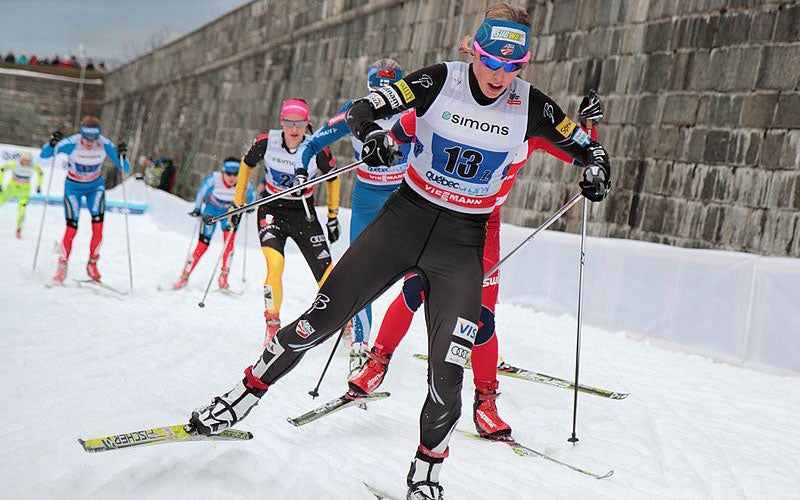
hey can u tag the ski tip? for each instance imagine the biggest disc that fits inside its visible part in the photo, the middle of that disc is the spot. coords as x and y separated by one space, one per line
606 475
293 421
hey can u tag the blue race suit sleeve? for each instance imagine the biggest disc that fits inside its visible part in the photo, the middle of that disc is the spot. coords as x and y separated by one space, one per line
64 146
334 129
111 151
205 189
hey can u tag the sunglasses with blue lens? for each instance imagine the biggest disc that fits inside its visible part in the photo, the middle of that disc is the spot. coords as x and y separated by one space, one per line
495 64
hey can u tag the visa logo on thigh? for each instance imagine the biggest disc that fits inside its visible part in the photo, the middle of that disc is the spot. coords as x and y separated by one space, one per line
466 330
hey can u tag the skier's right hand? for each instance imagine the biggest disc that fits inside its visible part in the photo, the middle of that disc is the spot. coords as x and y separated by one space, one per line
379 149
300 178
236 218
195 213
56 137
596 182
590 108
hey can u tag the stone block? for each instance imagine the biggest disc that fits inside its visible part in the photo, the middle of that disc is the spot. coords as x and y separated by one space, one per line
787 112
772 149
697 145
758 110
719 110
717 143
657 72
745 148
734 28
680 109
565 17
787 28
780 68
739 68
702 75
791 150
762 26
657 36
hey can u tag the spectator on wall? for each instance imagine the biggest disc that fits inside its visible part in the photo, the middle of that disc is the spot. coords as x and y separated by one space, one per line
34 60
10 58
23 59
101 66
89 65
65 63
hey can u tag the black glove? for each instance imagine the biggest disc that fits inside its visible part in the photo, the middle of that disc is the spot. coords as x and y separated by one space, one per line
38 189
237 218
55 137
333 228
195 213
122 149
596 181
300 177
379 149
590 108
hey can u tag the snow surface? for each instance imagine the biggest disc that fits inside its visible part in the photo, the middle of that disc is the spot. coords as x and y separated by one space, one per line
82 362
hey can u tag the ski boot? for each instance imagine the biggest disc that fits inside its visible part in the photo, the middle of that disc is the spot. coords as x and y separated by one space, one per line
223 280
61 272
233 406
423 478
18 234
273 325
91 268
358 356
182 281
372 373
484 411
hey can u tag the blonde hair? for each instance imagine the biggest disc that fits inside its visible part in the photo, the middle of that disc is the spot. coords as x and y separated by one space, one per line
385 62
90 121
507 12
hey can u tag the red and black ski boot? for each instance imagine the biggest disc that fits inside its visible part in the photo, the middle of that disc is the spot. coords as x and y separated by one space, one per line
484 411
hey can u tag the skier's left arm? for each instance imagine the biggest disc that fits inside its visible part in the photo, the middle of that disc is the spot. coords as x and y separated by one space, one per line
114 155
549 122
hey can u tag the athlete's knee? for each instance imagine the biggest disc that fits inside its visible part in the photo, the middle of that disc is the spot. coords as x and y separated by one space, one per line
413 292
99 217
486 326
206 240
73 223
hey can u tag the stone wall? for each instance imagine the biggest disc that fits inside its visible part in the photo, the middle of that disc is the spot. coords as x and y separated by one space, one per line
35 101
702 100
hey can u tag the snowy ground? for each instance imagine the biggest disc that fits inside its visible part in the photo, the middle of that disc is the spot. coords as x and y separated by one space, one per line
83 363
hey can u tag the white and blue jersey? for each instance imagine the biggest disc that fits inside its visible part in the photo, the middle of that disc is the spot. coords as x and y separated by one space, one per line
85 173
214 198
85 158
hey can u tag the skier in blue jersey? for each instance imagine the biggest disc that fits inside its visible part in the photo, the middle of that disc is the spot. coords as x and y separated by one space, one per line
215 197
372 188
85 152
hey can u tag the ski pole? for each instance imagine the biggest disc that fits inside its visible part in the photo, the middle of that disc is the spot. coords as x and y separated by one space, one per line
195 230
208 219
547 223
574 439
202 302
46 199
125 211
309 218
244 257
315 391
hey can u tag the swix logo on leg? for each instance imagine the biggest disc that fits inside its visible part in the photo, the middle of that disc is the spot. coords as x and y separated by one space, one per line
304 329
466 330
457 354
491 281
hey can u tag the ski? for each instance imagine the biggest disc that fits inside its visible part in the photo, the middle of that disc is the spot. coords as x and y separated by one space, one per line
54 284
334 405
378 493
228 291
525 451
101 285
512 371
158 435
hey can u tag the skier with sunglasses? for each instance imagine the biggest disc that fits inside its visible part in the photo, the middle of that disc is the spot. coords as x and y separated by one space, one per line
471 122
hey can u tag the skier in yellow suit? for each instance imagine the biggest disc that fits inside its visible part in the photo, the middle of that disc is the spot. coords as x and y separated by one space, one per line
19 185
